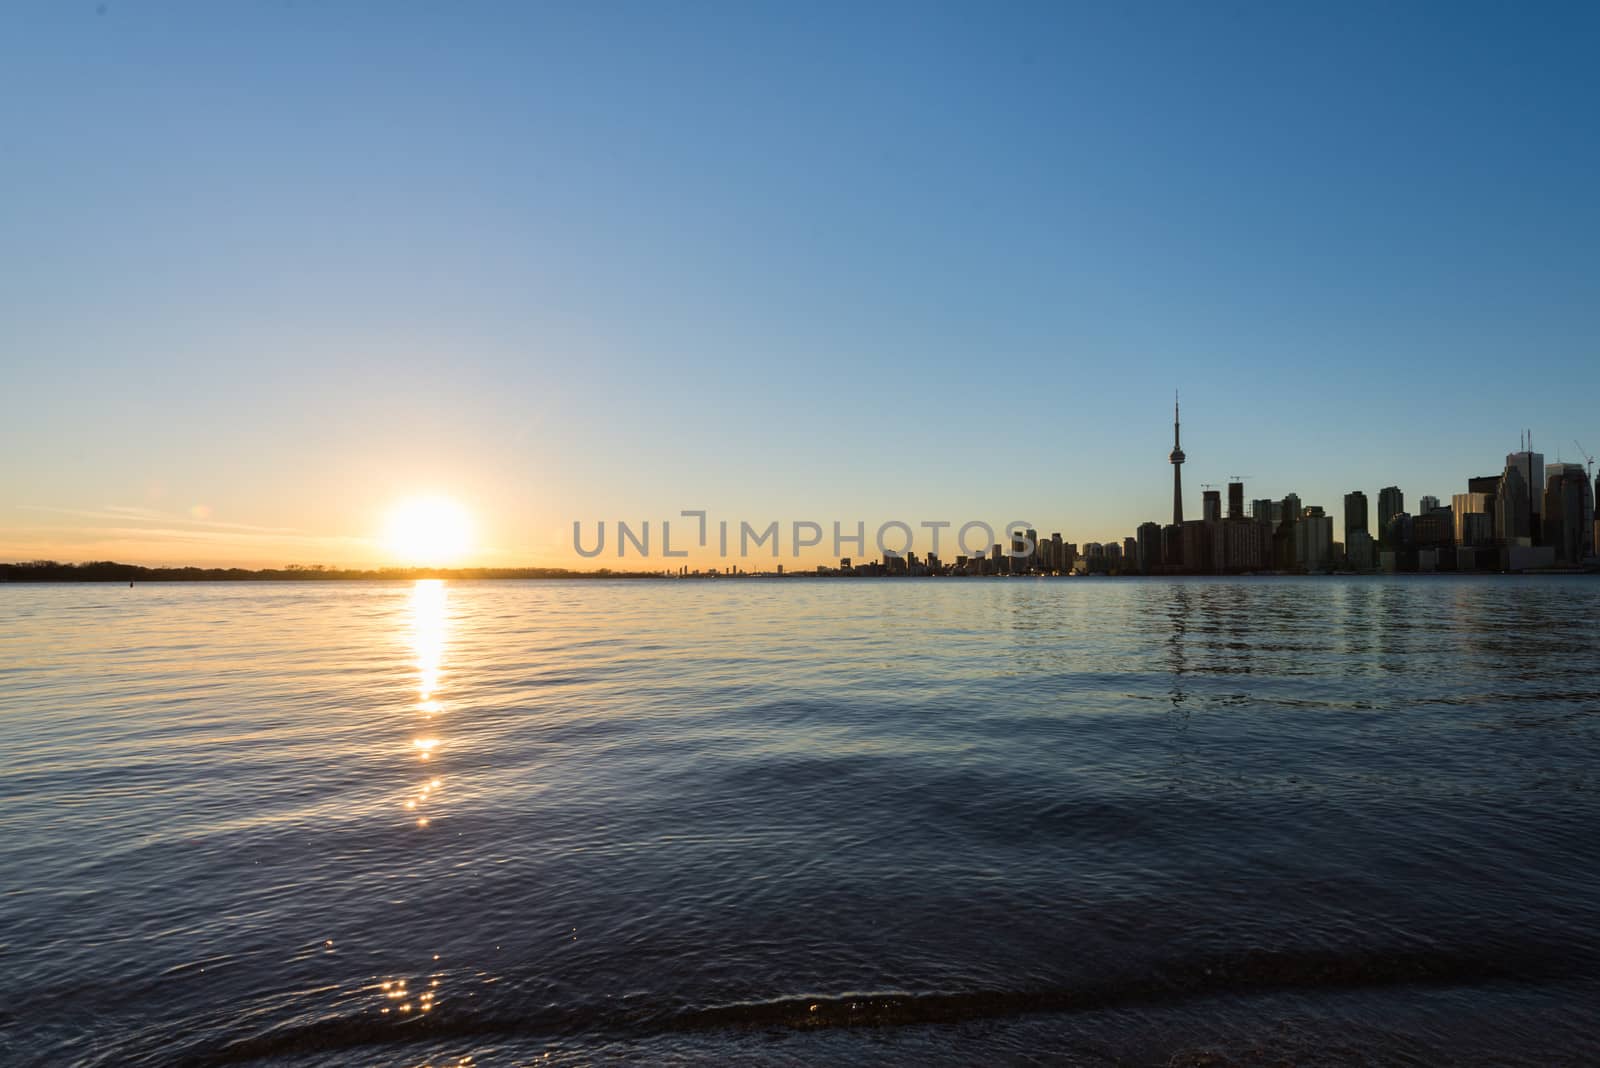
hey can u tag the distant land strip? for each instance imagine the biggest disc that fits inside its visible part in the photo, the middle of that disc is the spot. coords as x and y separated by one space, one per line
110 571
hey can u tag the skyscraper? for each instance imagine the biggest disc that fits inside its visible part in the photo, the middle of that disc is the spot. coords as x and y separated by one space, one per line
1236 500
1176 458
1391 502
1489 486
1313 540
1568 512
1355 514
1564 511
1464 505
1530 465
1149 546
1211 505
1511 507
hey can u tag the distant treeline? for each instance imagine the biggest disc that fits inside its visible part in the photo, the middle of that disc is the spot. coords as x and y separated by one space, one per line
110 571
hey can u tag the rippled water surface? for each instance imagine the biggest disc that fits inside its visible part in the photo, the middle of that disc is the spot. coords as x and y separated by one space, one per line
1104 822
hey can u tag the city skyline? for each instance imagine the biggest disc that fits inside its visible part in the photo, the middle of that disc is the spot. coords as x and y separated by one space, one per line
723 544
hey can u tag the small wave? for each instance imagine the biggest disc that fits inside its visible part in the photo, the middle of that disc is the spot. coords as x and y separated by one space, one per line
1246 974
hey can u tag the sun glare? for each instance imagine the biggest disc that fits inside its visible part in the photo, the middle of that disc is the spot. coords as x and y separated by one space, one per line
428 531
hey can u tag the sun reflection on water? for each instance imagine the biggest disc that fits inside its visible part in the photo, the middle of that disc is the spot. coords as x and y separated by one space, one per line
429 624
429 634
430 627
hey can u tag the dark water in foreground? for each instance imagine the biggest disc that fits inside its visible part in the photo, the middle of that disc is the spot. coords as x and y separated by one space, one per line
1102 822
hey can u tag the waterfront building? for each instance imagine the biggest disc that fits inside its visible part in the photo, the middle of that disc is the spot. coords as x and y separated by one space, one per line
1565 512
1433 529
1195 538
1313 539
1531 466
1359 550
1391 502
1355 514
1242 545
1149 535
1555 476
1467 504
1474 529
1512 509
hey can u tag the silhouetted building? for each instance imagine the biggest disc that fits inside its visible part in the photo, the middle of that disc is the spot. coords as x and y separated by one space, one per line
1196 540
1463 505
1355 514
1433 529
1149 546
1427 504
1565 511
1242 545
1283 542
1474 530
1397 533
1360 550
1530 465
1555 475
1172 547
1489 486
1391 502
1511 509
1313 540
1264 510
1211 505
1236 500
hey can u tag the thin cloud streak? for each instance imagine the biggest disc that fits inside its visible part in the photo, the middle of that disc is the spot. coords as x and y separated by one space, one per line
125 513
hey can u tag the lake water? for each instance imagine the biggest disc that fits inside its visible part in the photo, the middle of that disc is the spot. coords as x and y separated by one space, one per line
1113 821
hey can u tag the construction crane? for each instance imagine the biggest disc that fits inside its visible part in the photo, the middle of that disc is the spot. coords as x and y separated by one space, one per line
1586 456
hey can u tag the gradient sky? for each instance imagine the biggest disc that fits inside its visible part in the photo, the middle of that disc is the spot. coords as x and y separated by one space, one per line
270 267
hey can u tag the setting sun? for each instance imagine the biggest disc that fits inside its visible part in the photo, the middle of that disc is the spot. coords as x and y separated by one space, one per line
428 530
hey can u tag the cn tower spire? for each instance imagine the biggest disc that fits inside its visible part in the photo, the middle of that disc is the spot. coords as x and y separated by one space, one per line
1177 459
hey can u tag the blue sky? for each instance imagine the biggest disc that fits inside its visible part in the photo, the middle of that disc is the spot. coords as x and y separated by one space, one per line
277 265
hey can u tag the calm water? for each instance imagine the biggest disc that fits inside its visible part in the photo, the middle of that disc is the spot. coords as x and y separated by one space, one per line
1100 822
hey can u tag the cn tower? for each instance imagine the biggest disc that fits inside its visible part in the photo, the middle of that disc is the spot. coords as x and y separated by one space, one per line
1177 468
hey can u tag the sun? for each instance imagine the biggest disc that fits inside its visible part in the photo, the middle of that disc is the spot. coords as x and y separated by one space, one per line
428 531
